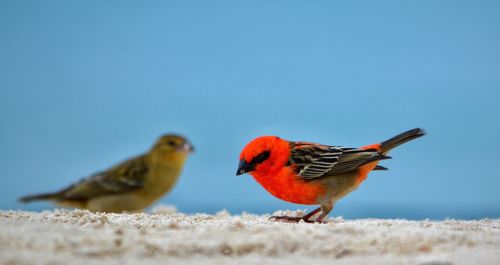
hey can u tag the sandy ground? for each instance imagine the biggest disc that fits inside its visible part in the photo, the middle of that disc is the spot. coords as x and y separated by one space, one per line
167 237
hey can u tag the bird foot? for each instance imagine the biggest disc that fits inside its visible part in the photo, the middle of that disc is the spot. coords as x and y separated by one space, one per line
292 219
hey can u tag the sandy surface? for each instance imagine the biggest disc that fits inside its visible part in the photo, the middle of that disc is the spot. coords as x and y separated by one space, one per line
167 237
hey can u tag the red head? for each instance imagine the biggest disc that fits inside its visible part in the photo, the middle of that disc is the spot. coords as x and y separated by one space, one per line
265 154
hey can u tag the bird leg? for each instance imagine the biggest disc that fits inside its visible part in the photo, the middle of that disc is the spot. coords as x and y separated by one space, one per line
325 210
294 219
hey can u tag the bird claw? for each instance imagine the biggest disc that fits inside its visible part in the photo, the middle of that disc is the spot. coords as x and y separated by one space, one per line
290 219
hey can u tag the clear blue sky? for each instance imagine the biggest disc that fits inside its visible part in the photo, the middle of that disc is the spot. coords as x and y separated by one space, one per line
86 84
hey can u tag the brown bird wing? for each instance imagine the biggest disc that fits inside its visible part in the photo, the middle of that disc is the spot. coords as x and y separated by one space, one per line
315 161
125 177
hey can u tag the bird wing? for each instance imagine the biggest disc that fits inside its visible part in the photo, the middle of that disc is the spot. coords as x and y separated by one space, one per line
315 161
125 177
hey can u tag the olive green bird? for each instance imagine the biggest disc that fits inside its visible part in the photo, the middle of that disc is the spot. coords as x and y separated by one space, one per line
129 186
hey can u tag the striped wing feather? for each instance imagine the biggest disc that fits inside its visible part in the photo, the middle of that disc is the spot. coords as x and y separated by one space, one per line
125 177
315 161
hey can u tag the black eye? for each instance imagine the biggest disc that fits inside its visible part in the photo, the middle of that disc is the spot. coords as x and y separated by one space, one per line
261 157
171 143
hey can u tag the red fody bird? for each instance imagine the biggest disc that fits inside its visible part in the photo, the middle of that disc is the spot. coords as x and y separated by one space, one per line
310 173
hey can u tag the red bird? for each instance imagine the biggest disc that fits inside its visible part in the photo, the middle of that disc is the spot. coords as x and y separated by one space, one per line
310 173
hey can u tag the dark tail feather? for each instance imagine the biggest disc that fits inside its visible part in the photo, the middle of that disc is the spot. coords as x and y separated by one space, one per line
401 139
380 168
40 197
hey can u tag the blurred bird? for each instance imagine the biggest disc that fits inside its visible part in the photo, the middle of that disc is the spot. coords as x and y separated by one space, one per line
310 173
130 186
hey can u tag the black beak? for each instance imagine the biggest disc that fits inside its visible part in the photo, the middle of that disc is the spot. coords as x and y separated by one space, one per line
244 167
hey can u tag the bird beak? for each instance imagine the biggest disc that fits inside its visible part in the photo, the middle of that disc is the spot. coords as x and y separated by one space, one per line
244 167
187 147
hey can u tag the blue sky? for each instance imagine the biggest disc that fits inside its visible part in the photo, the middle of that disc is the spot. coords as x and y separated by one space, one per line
86 84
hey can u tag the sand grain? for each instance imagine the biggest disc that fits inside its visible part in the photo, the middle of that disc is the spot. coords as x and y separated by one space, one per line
165 236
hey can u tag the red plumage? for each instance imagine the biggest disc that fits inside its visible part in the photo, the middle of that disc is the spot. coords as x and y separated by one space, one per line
310 173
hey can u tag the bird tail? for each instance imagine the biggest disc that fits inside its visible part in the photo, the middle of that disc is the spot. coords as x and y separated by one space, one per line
40 197
400 139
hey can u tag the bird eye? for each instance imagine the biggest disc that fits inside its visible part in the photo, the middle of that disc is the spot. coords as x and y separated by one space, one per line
261 157
171 143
